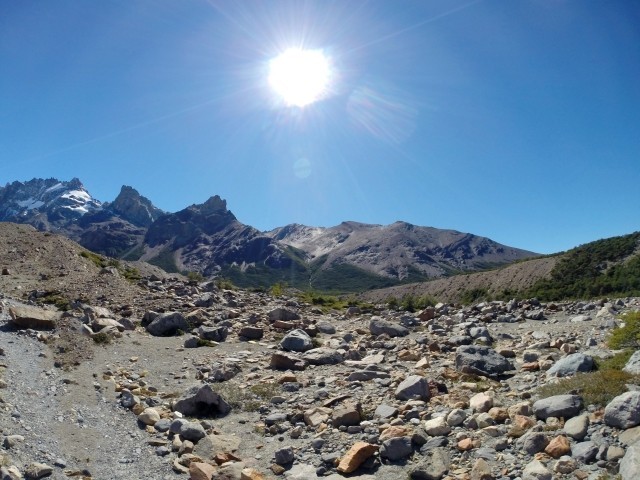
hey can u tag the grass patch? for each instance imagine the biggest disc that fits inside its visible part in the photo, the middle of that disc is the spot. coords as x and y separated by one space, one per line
248 399
627 336
225 284
101 338
131 274
54 298
617 362
597 388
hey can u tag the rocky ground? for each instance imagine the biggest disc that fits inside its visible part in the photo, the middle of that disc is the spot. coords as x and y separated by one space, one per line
167 379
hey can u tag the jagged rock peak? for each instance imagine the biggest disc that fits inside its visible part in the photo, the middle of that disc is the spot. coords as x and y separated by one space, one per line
135 208
214 204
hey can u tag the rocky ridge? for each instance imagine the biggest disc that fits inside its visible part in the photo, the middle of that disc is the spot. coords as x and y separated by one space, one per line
186 380
207 238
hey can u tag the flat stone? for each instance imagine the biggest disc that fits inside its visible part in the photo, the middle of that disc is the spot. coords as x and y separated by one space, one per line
212 445
25 316
565 406
322 356
252 333
414 387
356 456
433 465
282 314
396 448
385 411
535 470
201 471
287 361
37 470
377 326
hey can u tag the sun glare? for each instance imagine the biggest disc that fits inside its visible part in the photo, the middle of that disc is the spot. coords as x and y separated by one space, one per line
300 77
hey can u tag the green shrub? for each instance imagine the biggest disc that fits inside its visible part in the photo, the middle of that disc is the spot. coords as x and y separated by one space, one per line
54 298
225 284
597 388
101 338
132 274
98 260
195 276
277 289
627 336
474 295
617 362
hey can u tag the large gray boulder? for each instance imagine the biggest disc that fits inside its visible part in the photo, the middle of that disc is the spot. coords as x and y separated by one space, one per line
565 406
296 341
167 324
202 401
623 411
396 448
570 365
377 326
481 360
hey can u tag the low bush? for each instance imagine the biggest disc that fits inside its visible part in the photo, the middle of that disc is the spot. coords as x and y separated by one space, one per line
627 336
595 388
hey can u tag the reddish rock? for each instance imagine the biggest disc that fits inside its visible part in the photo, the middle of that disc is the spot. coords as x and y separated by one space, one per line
356 456
558 447
201 471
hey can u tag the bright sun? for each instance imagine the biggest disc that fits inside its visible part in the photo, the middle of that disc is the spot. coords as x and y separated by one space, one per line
300 77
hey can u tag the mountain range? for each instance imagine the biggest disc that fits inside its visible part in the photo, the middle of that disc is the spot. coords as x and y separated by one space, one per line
207 238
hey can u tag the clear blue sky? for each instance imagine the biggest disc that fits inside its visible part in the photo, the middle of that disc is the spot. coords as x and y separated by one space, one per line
517 120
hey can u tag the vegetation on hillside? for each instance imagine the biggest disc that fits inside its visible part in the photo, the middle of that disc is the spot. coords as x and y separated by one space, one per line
601 268
130 273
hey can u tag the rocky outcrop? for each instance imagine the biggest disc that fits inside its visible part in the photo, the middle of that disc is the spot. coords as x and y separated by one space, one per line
134 208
